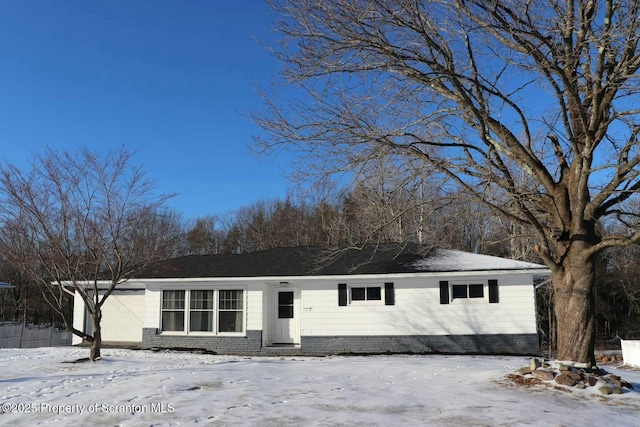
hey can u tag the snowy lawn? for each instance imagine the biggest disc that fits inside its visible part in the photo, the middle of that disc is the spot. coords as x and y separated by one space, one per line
126 387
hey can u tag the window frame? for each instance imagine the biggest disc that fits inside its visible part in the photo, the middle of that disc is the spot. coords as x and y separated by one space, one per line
211 311
215 311
220 310
468 299
366 290
164 309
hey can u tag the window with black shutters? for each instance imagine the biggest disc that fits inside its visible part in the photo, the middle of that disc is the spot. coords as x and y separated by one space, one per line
365 294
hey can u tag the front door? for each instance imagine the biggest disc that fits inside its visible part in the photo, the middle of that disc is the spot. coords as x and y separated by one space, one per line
286 322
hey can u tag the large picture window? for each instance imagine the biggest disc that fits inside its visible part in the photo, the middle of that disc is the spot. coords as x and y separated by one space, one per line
196 311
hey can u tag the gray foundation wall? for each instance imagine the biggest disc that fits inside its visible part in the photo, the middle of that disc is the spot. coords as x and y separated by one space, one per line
252 343
325 345
457 344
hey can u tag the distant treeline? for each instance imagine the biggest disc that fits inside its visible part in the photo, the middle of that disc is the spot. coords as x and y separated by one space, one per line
363 215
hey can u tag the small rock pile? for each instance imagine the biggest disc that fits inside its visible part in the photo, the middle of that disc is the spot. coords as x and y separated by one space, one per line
608 358
573 376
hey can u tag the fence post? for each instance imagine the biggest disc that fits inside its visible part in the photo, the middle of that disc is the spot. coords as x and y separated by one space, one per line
22 332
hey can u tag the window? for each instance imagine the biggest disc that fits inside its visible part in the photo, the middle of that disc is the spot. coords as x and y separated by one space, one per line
366 294
173 310
373 294
459 291
201 311
285 305
230 311
467 291
362 293
358 294
194 310
476 291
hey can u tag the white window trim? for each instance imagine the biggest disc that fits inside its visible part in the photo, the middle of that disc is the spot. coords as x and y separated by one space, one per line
216 324
214 332
485 292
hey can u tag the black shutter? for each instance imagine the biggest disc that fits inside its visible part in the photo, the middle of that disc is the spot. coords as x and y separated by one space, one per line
342 294
389 294
444 292
493 291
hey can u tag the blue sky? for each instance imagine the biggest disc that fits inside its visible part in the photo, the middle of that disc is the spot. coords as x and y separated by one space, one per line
171 80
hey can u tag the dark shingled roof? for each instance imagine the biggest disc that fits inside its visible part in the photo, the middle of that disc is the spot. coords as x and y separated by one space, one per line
308 261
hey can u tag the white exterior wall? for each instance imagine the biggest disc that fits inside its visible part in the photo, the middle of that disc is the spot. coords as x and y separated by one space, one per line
631 352
122 316
254 306
417 309
78 317
152 305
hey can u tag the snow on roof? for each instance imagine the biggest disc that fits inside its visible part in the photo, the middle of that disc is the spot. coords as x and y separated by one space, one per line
452 260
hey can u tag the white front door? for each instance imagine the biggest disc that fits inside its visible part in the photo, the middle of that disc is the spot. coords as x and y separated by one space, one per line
286 313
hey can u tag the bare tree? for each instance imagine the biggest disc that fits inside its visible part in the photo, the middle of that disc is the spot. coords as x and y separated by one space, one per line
76 219
392 203
618 293
527 105
203 236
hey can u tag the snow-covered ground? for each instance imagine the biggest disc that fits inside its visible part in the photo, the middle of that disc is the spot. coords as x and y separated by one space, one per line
126 387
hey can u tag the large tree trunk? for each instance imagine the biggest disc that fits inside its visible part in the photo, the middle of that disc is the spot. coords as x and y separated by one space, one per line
575 308
96 342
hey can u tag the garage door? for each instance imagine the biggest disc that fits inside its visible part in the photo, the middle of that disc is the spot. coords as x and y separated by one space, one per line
122 316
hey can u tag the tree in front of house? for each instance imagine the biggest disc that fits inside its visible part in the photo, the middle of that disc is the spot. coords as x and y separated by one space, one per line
77 219
528 106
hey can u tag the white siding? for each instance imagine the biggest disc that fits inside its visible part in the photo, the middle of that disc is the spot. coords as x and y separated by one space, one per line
254 308
631 352
152 299
417 309
78 317
122 316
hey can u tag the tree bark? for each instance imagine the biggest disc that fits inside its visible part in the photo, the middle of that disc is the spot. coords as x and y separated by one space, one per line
575 308
96 342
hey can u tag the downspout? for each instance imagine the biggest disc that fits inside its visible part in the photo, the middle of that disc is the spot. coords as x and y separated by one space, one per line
541 284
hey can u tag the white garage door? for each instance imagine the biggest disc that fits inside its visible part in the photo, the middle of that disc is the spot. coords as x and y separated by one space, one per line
122 316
